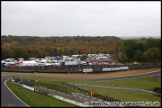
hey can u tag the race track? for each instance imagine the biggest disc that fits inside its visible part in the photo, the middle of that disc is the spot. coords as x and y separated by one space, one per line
129 76
9 100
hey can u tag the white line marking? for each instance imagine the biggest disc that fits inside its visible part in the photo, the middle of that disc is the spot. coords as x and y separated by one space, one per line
135 75
13 93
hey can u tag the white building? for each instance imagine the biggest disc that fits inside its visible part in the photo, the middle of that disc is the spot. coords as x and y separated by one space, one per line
74 60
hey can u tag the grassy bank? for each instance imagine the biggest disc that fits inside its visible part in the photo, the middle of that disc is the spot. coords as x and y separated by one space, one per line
142 82
34 99
123 95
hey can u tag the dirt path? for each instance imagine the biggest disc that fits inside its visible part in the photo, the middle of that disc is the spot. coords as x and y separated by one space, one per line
87 75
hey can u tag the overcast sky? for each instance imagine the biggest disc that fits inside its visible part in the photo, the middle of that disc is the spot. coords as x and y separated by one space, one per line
81 18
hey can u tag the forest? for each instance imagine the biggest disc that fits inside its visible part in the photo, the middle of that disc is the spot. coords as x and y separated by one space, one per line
127 50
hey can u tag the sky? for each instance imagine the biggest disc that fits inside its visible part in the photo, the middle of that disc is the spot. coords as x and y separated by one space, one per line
81 18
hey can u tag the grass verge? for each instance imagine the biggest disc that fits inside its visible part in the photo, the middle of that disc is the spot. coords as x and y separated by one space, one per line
123 95
34 99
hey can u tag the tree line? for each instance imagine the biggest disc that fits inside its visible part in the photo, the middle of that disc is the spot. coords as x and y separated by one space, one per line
129 50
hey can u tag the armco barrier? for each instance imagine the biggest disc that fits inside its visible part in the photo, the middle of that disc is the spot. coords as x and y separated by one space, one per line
39 91
111 87
28 87
56 96
71 85
68 100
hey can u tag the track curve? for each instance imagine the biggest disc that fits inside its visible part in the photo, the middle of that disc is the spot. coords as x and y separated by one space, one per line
8 99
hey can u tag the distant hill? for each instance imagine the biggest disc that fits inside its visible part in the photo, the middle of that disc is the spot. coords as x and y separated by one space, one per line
138 37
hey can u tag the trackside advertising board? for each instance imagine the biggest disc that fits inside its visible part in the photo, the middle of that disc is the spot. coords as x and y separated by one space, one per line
68 100
87 70
115 68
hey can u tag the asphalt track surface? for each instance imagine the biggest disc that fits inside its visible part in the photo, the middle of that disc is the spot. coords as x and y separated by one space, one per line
126 77
9 100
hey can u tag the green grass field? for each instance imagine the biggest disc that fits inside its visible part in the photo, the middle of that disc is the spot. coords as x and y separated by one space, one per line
34 99
143 82
123 95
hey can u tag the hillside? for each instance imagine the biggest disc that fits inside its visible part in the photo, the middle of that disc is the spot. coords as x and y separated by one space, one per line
143 49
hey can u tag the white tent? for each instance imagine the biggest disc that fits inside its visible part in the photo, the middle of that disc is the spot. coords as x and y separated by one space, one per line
29 63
